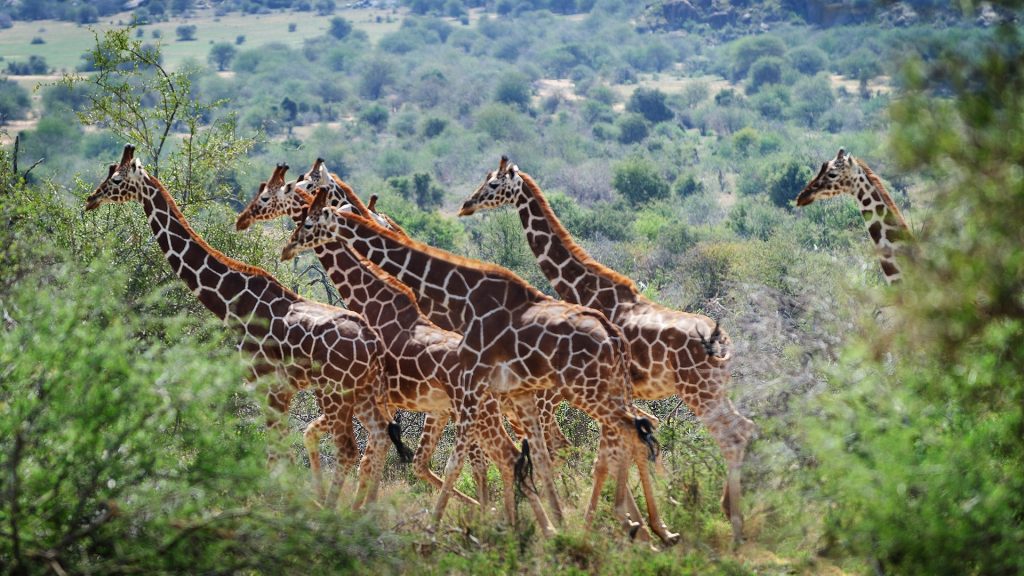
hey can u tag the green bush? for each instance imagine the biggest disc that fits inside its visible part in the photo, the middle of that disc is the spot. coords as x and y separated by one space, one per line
650 104
750 49
807 60
14 101
632 128
765 71
639 181
513 89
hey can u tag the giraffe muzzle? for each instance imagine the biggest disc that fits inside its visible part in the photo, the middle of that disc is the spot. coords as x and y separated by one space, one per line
243 222
804 199
467 209
92 203
289 252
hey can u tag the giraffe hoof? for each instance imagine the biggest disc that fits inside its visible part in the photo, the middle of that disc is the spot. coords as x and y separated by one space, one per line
669 538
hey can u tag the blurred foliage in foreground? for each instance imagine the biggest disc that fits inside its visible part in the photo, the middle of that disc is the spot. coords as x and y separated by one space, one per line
921 453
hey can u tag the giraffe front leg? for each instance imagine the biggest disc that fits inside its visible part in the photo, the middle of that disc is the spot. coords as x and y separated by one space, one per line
731 431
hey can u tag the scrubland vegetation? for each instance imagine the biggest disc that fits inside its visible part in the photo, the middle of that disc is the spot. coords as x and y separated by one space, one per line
890 419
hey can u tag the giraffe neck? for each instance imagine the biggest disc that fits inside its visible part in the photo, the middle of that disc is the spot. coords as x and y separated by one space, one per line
458 289
387 305
885 224
362 285
573 273
225 286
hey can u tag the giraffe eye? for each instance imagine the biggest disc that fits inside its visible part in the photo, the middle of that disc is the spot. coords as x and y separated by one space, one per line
265 198
116 178
307 224
833 174
493 184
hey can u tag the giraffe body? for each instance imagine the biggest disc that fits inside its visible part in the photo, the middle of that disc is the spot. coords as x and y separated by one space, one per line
304 343
421 364
886 227
516 341
672 352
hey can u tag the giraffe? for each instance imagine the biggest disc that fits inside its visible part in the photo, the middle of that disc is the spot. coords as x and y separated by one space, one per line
516 340
421 362
278 197
672 352
845 174
304 343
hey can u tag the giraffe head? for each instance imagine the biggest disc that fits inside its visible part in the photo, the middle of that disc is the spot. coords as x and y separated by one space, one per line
274 198
124 182
500 187
321 225
835 177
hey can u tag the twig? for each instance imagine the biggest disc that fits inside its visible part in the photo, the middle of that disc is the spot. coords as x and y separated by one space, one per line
36 163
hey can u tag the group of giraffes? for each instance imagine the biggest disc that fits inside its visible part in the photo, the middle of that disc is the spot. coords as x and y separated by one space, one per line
426 330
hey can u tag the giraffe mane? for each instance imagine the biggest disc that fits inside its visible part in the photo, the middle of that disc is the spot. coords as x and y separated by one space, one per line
567 240
877 183
236 265
443 255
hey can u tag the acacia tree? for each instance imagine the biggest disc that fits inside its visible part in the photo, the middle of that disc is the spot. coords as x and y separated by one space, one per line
141 101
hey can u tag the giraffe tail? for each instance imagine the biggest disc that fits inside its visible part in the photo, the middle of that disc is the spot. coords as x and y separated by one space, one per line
645 430
405 454
524 469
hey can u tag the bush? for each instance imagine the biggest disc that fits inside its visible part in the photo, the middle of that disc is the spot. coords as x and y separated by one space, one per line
376 116
751 49
812 98
807 60
650 104
433 127
767 70
221 55
638 181
632 128
513 89
185 32
15 101
36 65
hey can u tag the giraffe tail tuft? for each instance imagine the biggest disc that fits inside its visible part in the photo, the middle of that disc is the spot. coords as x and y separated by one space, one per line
645 430
524 469
405 454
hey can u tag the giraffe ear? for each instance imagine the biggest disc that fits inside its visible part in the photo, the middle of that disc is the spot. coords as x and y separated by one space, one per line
514 170
372 204
841 155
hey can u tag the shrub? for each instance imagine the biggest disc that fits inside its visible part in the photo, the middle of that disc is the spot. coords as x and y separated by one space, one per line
765 71
221 55
433 127
632 128
750 49
15 101
650 104
807 60
37 40
513 89
638 181
812 98
375 115
185 32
